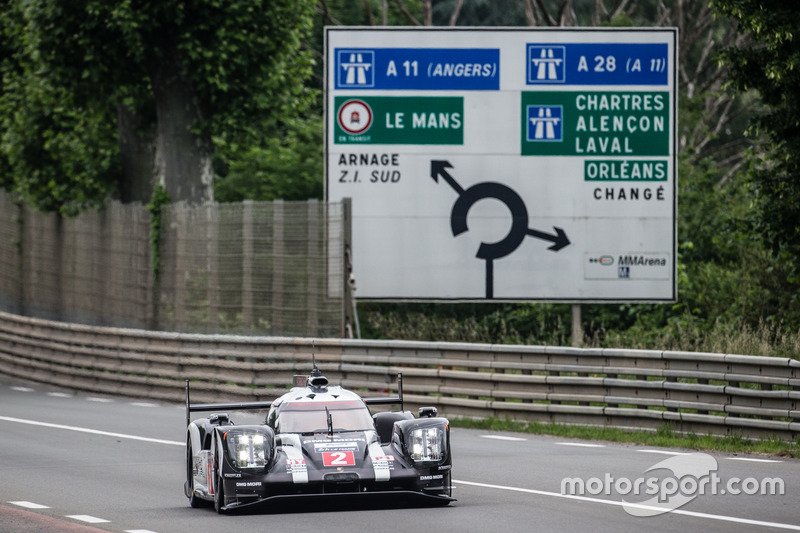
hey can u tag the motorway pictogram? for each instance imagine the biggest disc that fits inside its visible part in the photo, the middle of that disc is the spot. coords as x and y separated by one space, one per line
357 67
547 63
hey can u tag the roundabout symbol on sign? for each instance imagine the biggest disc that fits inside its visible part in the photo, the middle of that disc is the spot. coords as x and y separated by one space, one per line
519 219
355 117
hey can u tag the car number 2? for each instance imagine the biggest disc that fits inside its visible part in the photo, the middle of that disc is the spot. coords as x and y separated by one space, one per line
338 459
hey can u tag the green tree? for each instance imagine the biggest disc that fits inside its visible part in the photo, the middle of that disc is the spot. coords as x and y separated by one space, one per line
287 167
57 151
769 63
176 83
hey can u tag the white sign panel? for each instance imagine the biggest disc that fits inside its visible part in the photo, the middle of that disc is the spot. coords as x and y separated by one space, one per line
505 164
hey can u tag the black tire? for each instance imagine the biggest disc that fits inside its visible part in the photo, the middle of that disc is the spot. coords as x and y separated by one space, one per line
194 501
219 496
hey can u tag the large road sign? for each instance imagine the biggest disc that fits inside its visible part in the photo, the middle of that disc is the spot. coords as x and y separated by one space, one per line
505 164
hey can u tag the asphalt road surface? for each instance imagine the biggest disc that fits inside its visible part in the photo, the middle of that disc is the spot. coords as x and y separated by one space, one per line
81 462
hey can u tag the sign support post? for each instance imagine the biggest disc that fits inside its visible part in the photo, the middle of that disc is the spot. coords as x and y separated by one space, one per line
577 326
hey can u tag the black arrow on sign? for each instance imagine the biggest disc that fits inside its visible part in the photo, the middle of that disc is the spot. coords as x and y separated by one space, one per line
559 240
439 168
519 219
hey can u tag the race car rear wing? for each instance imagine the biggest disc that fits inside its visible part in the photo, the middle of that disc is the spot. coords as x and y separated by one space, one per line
389 400
244 406
241 406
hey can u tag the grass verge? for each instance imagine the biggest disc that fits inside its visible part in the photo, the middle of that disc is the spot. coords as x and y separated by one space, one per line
665 436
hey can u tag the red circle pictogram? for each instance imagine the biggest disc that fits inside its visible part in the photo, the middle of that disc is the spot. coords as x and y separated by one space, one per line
355 117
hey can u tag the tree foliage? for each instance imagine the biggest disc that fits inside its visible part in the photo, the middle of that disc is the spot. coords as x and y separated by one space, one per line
56 150
770 65
287 167
200 78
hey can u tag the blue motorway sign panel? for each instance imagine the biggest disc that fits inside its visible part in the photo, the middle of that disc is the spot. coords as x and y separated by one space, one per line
597 64
436 69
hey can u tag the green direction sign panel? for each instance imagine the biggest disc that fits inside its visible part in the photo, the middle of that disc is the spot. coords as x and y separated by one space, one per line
399 120
589 123
625 170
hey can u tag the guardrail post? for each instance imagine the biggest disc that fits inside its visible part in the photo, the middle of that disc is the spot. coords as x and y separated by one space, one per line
729 400
702 382
671 379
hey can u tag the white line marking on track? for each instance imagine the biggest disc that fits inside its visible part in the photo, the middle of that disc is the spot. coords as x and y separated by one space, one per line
753 460
502 437
460 482
581 444
139 531
30 505
88 519
92 431
59 395
99 400
694 514
22 389
144 404
663 452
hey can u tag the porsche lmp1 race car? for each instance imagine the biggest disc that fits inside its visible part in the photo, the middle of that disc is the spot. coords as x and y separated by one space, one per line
317 440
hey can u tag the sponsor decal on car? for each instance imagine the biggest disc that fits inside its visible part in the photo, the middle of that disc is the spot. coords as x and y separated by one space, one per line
248 483
335 446
339 440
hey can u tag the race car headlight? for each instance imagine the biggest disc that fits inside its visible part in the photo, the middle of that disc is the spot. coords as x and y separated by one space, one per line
248 450
426 445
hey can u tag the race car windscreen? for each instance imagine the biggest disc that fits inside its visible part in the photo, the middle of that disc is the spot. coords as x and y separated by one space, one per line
311 417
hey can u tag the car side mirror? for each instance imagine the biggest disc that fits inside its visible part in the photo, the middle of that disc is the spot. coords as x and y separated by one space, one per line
428 412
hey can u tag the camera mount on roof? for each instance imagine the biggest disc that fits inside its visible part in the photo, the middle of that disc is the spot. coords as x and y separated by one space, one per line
316 380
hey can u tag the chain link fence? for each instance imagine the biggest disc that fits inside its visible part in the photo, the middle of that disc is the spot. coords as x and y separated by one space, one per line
265 268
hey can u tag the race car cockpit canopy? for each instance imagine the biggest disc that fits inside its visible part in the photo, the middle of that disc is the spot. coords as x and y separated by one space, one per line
318 408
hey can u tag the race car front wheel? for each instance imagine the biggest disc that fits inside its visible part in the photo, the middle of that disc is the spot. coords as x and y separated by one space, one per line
194 501
219 495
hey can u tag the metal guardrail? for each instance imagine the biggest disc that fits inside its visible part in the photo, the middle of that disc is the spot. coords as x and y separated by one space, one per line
703 393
